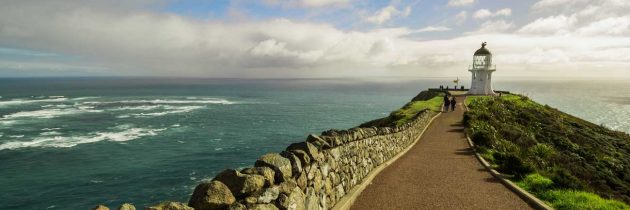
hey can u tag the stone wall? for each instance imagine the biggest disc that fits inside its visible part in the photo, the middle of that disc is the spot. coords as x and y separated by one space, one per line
313 174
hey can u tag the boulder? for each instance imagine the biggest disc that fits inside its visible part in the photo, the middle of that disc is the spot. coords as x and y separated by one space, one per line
213 195
304 158
100 207
126 206
296 163
237 206
294 200
302 181
311 201
317 141
263 207
266 172
240 184
288 186
268 195
307 147
281 165
170 206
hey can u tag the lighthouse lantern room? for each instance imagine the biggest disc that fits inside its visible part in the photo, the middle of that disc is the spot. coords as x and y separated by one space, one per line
481 70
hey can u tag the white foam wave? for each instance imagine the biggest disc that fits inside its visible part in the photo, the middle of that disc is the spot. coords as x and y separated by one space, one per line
181 109
168 101
47 113
71 141
50 133
144 108
28 101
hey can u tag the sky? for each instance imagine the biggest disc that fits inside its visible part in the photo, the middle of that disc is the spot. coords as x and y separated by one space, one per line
313 38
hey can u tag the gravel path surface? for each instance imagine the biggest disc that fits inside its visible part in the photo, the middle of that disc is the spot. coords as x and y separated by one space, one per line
439 172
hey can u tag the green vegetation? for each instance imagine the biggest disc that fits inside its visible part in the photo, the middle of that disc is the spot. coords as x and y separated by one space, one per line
566 161
424 101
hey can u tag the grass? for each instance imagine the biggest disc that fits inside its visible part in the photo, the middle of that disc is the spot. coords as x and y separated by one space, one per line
566 161
408 112
424 101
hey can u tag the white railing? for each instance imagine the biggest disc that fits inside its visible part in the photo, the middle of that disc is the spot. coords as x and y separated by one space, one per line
491 67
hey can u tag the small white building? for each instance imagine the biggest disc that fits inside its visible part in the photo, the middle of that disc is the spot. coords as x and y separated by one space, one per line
481 70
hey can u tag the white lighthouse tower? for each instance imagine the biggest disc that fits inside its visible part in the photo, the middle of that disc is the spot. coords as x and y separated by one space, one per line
481 70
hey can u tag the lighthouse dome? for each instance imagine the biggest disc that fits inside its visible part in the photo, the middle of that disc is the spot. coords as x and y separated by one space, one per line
483 50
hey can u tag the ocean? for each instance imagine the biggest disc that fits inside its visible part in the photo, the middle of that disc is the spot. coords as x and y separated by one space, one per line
72 143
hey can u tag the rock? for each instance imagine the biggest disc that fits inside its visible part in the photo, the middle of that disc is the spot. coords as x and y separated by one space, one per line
237 206
307 147
266 172
302 181
100 207
317 141
304 158
281 165
126 206
311 201
213 195
328 187
263 207
170 206
287 186
240 184
296 163
270 194
292 201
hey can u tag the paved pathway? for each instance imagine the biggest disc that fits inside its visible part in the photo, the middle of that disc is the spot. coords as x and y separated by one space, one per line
439 172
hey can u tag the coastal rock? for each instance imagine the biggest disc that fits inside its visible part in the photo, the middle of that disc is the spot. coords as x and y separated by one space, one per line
170 206
281 165
294 200
213 195
311 201
263 207
317 141
304 158
270 194
240 184
266 172
126 206
237 206
307 147
302 181
296 163
100 207
288 186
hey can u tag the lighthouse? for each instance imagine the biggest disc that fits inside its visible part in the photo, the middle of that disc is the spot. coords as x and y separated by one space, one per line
481 70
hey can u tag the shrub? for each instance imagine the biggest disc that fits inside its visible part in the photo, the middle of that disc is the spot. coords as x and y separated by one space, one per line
540 154
482 133
563 179
511 164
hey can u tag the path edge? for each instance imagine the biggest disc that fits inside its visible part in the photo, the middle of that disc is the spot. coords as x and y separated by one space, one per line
530 199
347 200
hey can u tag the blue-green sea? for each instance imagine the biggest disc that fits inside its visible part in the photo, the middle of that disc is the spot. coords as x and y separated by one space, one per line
72 143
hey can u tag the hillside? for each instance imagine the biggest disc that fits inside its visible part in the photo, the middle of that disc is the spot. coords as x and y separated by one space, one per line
550 153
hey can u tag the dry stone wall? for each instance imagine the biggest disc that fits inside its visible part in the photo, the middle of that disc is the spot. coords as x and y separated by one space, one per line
313 174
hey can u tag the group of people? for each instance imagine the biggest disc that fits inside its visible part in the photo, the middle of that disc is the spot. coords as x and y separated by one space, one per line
449 102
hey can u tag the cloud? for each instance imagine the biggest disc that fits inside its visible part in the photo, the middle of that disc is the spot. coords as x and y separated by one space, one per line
484 13
461 17
308 3
550 25
387 13
459 3
434 29
494 26
136 41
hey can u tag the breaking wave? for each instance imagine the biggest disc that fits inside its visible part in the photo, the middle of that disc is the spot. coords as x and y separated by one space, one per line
71 141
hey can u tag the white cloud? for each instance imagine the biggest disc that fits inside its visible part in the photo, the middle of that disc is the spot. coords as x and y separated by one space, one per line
550 3
550 25
140 42
461 17
387 13
308 3
434 29
459 3
484 13
495 26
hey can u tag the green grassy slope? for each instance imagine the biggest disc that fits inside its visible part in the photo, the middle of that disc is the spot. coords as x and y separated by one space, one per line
537 143
424 101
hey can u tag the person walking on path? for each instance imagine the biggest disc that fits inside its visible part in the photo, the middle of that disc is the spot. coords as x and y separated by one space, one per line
453 103
447 103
